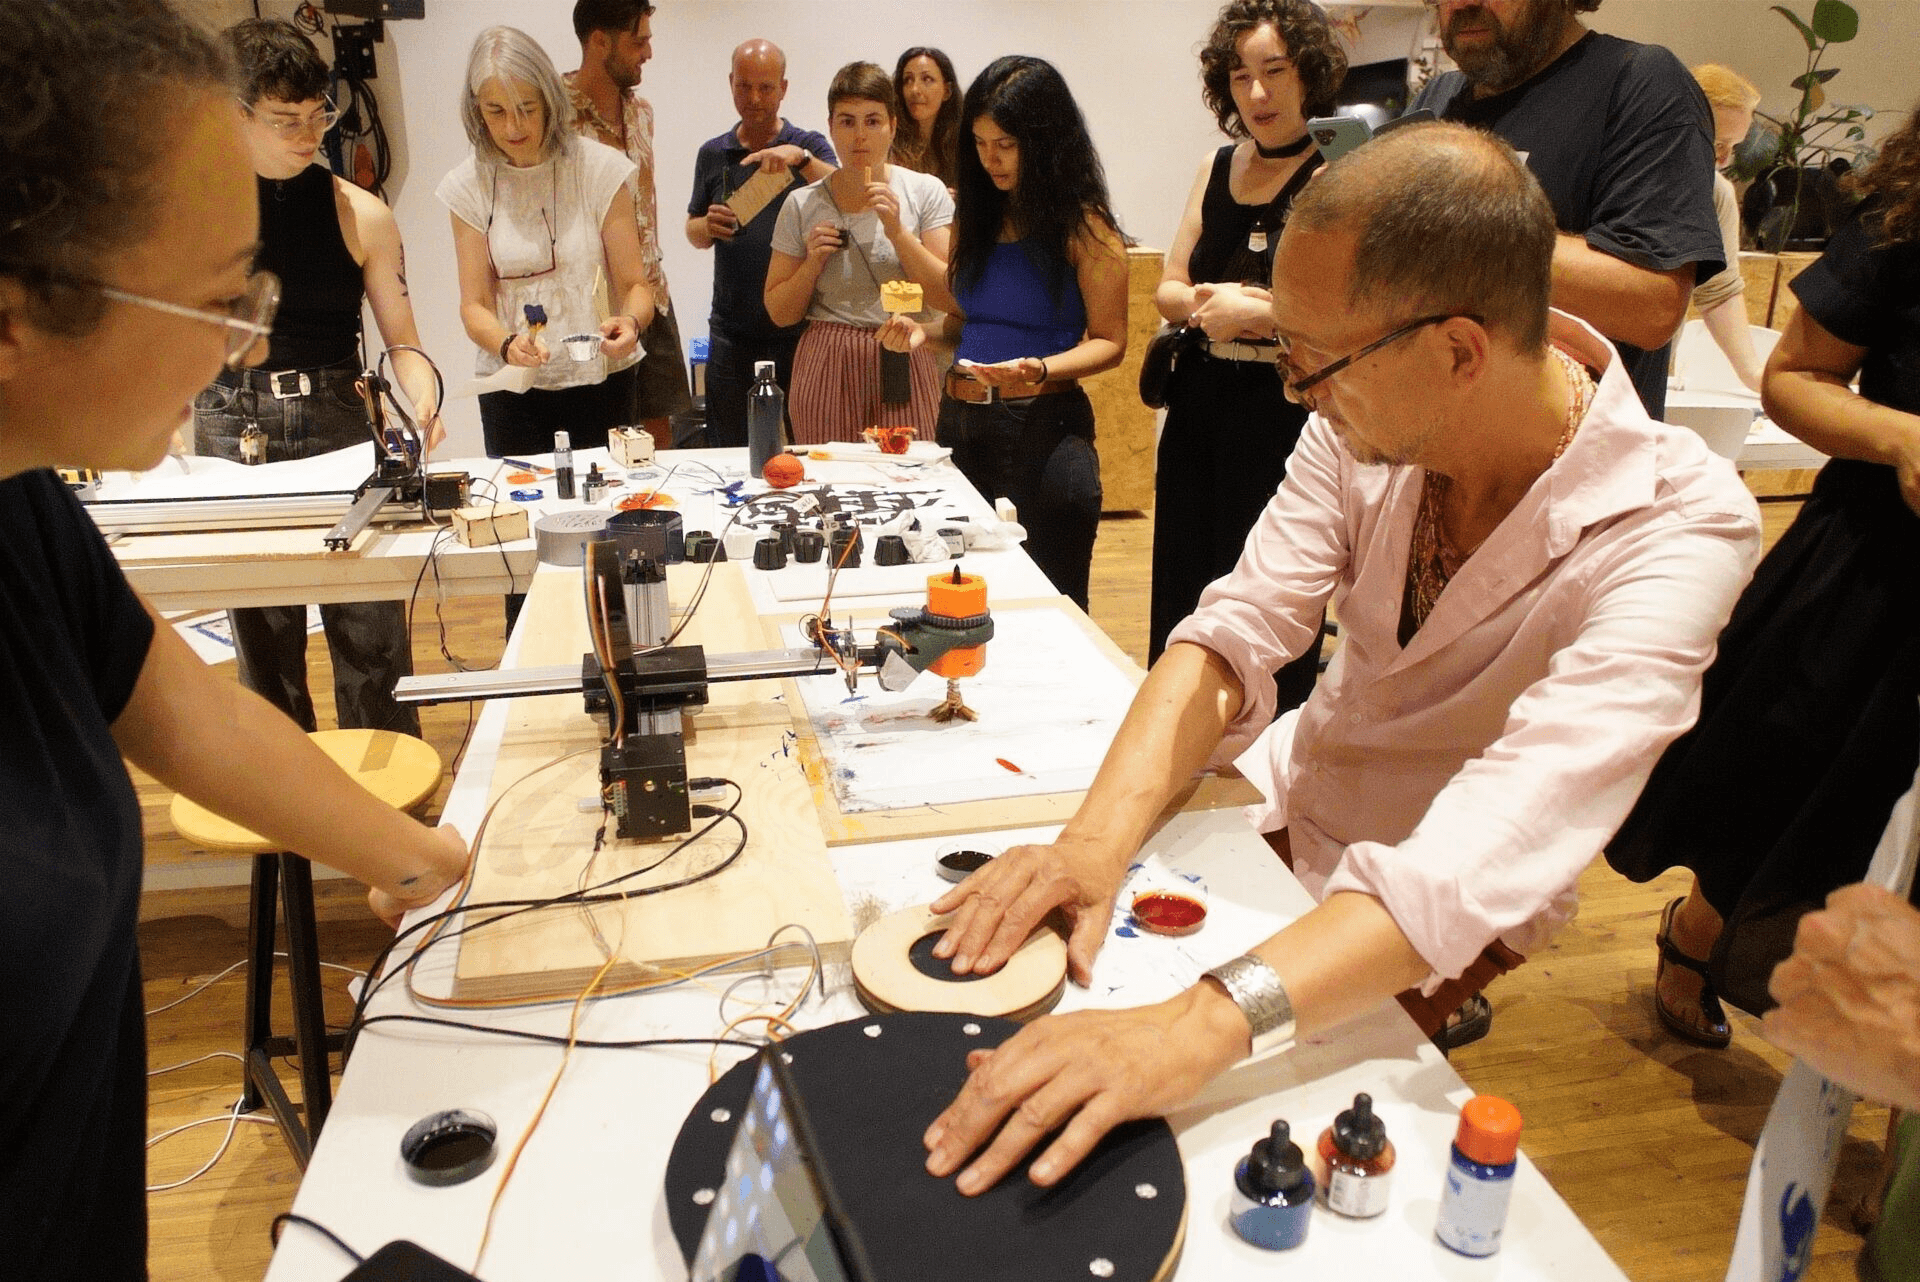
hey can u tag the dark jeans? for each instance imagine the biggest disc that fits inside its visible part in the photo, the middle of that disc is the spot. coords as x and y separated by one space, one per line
1039 453
730 362
522 423
368 640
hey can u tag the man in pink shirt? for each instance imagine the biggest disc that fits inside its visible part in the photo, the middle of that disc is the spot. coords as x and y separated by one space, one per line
1529 573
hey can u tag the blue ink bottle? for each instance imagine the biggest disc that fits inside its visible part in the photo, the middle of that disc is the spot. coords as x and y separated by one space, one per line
1272 1193
1473 1205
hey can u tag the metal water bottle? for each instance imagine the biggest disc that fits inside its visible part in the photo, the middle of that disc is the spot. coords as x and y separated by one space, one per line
766 418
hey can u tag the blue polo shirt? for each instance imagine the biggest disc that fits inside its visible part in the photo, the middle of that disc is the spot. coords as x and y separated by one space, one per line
740 264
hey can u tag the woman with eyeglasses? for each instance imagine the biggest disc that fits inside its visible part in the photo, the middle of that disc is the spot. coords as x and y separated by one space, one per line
541 217
127 232
836 242
1267 67
1040 280
333 247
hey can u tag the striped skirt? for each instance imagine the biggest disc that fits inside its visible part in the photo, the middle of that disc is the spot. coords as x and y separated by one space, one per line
835 393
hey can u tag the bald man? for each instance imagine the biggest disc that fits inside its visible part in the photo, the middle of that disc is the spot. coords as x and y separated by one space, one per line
1529 573
741 331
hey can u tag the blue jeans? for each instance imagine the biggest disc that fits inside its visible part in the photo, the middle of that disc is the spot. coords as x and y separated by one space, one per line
1039 453
368 640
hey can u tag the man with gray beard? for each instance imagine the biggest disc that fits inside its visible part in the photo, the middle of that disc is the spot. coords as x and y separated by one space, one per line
1620 137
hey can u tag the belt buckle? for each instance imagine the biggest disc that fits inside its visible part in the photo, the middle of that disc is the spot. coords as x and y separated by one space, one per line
288 384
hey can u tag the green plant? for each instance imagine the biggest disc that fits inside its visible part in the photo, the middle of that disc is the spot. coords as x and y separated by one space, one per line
1816 134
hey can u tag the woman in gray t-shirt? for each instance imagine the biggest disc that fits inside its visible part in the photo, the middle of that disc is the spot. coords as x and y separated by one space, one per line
836 242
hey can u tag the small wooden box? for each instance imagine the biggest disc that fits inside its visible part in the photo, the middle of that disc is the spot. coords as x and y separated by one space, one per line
484 525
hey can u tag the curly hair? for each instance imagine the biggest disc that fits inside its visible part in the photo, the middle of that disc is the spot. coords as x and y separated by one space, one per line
83 137
1062 188
1302 27
1894 177
938 152
275 60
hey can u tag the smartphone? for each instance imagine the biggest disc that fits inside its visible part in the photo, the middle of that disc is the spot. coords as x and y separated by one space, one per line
1335 136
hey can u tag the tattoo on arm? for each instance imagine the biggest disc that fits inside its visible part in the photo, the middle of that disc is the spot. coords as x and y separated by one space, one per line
402 274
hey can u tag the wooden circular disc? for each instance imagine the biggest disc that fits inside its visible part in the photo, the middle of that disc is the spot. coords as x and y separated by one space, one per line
1028 985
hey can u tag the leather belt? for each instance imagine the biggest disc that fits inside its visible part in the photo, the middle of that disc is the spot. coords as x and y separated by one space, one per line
961 387
1242 351
286 384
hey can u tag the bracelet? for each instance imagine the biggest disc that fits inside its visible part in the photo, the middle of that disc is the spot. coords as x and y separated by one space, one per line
1043 369
1257 991
505 343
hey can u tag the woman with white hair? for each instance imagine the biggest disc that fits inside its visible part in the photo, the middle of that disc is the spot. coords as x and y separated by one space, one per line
540 218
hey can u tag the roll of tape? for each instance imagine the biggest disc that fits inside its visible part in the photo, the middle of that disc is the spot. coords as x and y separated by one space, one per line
449 1147
562 538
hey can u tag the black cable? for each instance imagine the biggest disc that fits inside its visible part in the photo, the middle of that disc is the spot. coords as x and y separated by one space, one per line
288 1217
379 977
555 1039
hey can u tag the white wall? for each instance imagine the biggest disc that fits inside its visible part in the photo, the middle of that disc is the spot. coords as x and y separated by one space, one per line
1131 64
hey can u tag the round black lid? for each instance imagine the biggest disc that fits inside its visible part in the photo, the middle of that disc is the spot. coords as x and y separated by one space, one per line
1357 1132
1276 1164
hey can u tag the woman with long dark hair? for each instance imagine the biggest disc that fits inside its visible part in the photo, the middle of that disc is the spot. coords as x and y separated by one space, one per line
1809 728
1039 274
929 134
1268 66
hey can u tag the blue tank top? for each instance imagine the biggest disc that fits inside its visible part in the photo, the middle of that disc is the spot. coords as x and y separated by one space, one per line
1011 313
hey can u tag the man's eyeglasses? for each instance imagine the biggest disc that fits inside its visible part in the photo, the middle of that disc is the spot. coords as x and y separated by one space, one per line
1297 389
317 122
247 320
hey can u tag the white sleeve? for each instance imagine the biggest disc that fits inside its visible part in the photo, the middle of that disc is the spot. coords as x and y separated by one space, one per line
461 192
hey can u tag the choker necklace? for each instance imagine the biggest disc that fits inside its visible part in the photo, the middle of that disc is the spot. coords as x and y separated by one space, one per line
1284 150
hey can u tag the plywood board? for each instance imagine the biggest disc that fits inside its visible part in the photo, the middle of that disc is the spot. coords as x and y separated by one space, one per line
539 840
929 780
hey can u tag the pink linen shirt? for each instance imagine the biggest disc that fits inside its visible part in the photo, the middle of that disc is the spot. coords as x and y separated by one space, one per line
636 122
1468 779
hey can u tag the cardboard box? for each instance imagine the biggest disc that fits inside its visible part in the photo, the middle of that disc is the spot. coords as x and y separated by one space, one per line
486 524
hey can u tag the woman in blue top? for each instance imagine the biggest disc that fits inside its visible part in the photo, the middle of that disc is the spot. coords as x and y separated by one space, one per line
1040 274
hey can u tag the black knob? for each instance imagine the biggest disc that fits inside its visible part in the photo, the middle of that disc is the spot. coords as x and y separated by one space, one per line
703 547
768 556
808 545
845 549
891 550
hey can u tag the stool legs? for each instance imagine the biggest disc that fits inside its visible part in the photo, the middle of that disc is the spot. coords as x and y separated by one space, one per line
287 878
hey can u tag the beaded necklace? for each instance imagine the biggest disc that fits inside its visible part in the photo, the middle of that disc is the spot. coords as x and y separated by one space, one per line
1433 559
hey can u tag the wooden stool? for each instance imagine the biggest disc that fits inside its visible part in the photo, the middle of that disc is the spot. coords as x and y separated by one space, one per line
403 772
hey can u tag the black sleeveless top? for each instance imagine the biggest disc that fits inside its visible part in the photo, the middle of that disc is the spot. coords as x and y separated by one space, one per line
1229 250
321 286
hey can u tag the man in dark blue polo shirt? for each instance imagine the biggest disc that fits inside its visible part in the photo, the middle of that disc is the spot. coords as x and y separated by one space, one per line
1620 137
741 332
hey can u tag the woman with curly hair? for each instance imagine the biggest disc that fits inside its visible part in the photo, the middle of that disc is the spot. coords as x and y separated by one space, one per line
1267 67
1809 728
1039 274
929 135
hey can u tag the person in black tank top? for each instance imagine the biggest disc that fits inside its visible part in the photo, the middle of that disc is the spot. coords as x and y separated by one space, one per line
332 246
1267 67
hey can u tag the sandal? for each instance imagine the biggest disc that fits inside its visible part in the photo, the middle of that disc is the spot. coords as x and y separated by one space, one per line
1716 1033
1466 1026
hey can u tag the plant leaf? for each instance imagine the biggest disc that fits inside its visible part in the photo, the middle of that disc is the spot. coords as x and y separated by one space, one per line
1806 32
1856 133
1819 77
1835 21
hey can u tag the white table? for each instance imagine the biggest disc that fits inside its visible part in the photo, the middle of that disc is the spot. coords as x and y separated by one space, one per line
587 1199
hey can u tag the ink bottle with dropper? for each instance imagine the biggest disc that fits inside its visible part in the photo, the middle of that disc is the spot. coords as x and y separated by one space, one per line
1353 1162
1272 1193
1473 1203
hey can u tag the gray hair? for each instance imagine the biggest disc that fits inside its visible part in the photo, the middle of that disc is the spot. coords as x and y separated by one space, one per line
507 54
1445 219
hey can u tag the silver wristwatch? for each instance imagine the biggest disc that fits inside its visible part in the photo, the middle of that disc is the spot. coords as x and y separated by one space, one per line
1257 991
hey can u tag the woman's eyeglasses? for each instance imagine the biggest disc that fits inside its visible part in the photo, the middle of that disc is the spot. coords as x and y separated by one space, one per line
247 320
316 123
546 216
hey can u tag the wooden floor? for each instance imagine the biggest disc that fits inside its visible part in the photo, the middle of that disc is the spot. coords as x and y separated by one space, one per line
1647 1139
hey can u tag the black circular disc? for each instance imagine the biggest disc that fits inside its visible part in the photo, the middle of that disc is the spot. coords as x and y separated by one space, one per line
920 954
870 1087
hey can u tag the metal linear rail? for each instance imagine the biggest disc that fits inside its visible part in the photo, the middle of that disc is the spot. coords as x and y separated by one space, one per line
457 687
265 511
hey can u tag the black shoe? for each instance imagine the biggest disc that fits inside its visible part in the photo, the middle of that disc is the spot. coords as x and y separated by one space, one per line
1467 1025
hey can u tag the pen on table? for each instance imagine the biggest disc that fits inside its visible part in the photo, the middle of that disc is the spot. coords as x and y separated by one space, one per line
525 466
